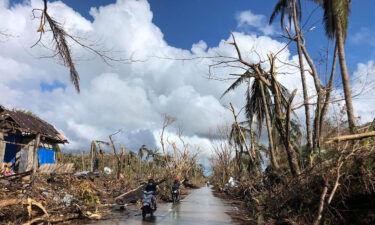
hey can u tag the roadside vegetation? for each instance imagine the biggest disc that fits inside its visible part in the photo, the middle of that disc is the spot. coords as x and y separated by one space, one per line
315 170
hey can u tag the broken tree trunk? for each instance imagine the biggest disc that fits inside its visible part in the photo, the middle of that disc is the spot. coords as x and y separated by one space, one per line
351 137
93 156
120 197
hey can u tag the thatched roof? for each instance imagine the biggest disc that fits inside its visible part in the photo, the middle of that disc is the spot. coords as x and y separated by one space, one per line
26 122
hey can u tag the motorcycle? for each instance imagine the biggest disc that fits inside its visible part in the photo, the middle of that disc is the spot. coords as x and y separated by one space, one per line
148 203
175 195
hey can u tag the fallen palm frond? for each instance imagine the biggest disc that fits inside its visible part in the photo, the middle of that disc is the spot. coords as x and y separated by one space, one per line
61 48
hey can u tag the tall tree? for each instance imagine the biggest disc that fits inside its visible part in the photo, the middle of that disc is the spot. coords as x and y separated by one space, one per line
258 100
336 17
292 9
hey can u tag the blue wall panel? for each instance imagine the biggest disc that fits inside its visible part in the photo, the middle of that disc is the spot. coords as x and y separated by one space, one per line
46 156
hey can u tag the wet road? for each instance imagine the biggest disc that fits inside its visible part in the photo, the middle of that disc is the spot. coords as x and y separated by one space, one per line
199 207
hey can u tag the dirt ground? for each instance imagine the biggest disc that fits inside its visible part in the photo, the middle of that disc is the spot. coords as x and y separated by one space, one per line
239 211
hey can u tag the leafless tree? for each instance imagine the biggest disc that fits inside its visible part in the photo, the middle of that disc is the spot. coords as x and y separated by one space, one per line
119 155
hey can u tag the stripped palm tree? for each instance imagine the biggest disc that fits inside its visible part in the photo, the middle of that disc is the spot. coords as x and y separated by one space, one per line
335 18
292 9
157 157
141 153
258 100
235 138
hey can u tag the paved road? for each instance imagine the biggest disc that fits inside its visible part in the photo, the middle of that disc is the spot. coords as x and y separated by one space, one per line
199 207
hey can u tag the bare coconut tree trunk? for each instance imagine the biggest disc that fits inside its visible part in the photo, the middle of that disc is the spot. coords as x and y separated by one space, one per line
269 129
303 77
252 155
345 75
319 91
292 156
327 96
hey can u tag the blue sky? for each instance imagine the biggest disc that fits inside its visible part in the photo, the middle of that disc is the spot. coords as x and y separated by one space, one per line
185 22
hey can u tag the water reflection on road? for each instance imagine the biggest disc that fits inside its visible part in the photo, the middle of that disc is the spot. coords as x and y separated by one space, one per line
200 207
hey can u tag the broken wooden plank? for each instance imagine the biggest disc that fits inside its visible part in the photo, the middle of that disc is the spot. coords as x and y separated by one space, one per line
2 150
57 168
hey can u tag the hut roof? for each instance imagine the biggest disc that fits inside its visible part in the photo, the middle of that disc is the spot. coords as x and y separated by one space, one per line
25 121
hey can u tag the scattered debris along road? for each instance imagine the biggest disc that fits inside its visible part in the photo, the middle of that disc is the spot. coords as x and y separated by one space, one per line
58 198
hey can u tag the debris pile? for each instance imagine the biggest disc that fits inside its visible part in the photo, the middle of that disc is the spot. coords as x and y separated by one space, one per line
334 190
58 198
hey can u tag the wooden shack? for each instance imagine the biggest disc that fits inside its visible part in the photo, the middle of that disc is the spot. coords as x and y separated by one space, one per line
26 141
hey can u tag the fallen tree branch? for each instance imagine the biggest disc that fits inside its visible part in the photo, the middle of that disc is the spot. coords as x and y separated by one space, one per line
321 202
16 175
63 218
128 192
30 202
14 201
351 137
37 219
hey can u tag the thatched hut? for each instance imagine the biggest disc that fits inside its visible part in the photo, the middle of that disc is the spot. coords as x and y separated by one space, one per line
26 141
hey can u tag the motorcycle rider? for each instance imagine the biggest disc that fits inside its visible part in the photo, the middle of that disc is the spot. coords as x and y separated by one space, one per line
152 187
176 185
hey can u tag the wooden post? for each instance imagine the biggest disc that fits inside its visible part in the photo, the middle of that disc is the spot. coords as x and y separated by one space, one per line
83 162
2 149
92 155
35 153
30 157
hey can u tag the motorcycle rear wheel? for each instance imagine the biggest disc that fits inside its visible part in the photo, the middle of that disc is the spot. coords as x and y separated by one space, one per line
144 214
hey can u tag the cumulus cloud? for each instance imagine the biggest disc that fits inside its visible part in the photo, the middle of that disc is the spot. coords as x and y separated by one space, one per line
132 97
247 19
363 84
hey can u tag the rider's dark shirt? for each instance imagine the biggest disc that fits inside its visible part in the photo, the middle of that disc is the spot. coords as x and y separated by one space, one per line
176 185
151 187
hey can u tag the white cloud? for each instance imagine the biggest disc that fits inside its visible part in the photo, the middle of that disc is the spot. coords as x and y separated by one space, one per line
132 97
248 19
363 90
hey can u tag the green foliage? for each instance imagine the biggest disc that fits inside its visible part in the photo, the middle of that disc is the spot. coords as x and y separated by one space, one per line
89 198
